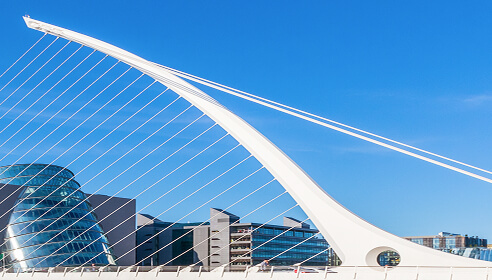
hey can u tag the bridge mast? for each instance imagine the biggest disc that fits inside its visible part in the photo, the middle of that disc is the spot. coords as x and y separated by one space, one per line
356 242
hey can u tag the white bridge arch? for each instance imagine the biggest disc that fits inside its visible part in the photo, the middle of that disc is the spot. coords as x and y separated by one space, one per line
356 242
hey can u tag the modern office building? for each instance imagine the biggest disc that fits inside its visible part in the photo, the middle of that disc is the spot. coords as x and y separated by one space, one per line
463 245
158 243
446 241
46 221
225 240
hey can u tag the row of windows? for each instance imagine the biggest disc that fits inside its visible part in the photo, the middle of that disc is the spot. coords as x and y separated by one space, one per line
53 213
438 243
50 190
62 248
46 225
87 259
57 236
34 169
276 262
40 181
278 248
290 256
51 201
69 260
271 231
280 240
448 244
418 240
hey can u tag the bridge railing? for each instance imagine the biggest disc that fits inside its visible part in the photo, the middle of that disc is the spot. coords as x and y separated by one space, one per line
275 272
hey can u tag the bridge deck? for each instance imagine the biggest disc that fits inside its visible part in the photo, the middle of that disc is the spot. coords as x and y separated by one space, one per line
335 273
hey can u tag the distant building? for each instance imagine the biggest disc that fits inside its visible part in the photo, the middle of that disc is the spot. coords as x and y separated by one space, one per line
154 235
446 241
225 240
470 247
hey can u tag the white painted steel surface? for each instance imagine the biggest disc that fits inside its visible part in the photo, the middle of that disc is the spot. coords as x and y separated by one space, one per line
356 241
345 273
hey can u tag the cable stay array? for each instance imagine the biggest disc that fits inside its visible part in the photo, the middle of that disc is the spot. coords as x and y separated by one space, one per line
124 135
137 149
300 113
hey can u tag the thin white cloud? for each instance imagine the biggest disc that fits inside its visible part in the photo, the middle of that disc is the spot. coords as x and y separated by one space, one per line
479 99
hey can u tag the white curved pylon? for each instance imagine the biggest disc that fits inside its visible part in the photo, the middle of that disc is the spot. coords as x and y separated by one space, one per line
355 241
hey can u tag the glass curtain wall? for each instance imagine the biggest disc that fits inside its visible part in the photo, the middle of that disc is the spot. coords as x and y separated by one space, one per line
38 235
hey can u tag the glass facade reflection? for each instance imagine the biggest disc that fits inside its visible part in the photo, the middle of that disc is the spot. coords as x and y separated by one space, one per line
388 258
446 241
484 254
463 245
50 224
226 241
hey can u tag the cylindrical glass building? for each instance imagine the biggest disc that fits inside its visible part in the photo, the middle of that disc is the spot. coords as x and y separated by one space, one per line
43 228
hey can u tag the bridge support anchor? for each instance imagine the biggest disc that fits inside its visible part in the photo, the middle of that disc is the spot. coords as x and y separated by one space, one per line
246 271
157 269
4 271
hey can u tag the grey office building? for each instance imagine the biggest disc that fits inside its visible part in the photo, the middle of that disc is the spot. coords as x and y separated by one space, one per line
225 240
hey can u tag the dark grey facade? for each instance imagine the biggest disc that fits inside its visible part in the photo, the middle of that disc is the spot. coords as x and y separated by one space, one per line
122 237
154 235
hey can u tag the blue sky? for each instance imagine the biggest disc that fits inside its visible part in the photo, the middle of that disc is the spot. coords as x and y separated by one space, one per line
418 72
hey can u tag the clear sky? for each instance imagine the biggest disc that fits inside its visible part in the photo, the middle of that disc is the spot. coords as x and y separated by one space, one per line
415 71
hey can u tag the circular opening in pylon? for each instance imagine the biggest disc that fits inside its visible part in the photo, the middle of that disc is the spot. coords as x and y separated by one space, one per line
388 258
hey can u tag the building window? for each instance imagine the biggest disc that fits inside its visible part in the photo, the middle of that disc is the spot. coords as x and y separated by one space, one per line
388 258
418 240
278 231
435 243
